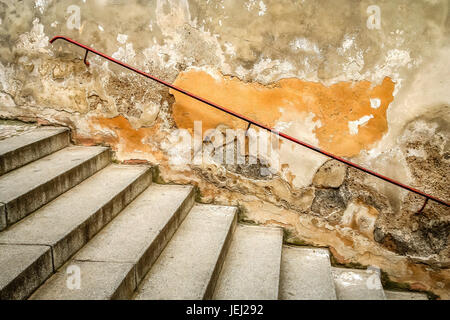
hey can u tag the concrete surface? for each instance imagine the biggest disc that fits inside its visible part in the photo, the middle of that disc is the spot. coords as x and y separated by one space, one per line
134 238
2 216
12 128
252 265
187 265
23 269
400 295
25 148
28 188
306 274
69 221
98 281
356 284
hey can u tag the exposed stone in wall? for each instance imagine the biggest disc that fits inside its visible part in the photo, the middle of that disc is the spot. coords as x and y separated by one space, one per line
313 70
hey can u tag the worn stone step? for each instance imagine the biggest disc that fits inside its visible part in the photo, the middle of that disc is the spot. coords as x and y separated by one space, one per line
27 188
19 150
189 265
69 221
306 274
357 284
404 295
252 265
23 269
113 262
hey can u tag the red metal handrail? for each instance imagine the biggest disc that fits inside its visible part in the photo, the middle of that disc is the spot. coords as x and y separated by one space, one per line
252 122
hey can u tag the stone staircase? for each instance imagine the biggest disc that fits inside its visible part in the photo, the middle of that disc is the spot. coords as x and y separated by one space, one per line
75 226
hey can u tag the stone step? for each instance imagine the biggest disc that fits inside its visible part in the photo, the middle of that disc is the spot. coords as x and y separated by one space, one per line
19 150
67 223
23 269
357 284
189 265
252 265
112 263
404 295
306 274
27 188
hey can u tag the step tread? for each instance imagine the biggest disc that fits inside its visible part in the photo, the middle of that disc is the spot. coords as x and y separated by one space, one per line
252 266
306 274
27 178
52 222
119 246
30 137
402 295
357 284
185 267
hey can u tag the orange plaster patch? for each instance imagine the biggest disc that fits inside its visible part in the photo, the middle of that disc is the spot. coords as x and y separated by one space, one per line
334 106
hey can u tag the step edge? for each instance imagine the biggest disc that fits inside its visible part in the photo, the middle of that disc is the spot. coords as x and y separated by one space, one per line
208 285
118 294
7 157
29 268
211 285
43 207
104 163
275 232
358 271
101 150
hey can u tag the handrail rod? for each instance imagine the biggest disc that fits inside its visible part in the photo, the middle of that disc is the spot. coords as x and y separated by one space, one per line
250 121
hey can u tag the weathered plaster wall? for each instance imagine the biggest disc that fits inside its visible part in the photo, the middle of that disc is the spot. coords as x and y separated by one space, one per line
321 71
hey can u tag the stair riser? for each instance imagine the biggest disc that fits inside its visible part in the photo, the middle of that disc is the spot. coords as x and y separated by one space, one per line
152 253
30 279
29 202
26 154
209 292
65 248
